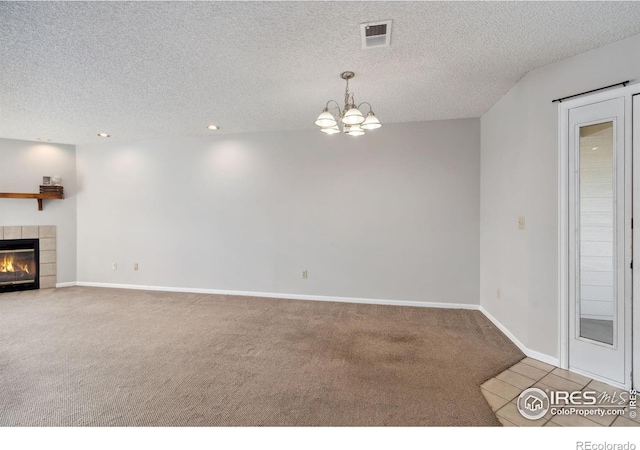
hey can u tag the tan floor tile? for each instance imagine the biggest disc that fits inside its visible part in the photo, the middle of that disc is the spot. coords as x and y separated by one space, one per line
502 394
624 422
545 388
538 364
600 386
506 423
496 402
560 383
501 389
605 421
614 392
528 371
627 415
510 412
582 380
515 379
574 421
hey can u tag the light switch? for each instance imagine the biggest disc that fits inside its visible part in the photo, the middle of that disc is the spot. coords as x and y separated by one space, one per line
521 223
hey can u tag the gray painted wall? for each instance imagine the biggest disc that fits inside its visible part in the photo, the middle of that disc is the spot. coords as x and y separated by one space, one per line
391 215
520 177
22 166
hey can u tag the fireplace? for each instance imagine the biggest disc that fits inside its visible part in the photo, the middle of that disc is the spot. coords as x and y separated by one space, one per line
19 264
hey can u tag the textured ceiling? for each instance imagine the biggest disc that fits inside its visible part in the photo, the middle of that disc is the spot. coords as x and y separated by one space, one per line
146 69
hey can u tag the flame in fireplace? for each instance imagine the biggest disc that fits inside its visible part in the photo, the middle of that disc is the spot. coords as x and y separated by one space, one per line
7 265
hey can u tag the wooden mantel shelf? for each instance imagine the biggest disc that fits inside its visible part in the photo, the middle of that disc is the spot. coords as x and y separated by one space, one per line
39 197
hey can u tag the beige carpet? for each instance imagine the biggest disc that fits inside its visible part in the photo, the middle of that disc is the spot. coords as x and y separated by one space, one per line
103 357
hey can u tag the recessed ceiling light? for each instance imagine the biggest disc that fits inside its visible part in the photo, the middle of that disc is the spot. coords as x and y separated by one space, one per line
105 135
212 127
43 139
594 148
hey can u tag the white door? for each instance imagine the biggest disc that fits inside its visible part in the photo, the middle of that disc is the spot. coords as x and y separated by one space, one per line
636 243
599 240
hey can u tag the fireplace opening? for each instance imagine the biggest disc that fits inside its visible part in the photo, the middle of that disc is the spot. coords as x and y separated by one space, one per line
19 264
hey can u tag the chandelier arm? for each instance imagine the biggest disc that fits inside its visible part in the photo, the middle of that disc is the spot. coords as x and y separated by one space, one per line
337 107
368 104
337 104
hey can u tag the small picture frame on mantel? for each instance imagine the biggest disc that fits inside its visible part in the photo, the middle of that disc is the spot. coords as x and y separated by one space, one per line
46 181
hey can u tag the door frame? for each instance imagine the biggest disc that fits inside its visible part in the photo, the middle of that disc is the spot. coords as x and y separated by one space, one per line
632 203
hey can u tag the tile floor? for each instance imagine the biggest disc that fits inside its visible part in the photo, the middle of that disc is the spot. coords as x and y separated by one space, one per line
502 394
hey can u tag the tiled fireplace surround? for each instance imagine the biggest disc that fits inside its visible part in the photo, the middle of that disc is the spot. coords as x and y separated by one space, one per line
47 236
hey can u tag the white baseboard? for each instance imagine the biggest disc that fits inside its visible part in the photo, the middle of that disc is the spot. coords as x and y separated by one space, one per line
321 298
599 378
504 329
554 361
67 284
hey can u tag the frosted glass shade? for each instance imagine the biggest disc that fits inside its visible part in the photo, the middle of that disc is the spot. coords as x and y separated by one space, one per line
355 130
326 119
331 130
371 122
353 117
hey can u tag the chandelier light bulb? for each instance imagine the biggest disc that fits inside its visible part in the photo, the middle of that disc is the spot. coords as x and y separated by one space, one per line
371 122
331 130
355 130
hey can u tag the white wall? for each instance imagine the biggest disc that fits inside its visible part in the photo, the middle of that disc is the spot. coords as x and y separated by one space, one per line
22 166
391 215
520 177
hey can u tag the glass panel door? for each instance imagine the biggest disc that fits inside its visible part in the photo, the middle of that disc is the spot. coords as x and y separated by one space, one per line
597 233
599 240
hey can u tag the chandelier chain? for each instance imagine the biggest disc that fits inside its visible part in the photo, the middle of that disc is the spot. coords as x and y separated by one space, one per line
346 96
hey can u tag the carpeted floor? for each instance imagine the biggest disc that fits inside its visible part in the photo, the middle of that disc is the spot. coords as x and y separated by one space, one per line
103 357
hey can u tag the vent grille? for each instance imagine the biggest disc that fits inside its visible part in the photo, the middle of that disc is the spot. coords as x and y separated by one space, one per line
376 34
375 30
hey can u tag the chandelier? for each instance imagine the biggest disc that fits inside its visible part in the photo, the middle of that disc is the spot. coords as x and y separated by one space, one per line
350 118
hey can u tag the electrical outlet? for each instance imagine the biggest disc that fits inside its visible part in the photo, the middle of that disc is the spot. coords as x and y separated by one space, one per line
135 266
114 266
304 274
499 293
521 223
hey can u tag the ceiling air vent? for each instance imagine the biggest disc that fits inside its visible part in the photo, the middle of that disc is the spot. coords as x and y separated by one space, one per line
376 34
